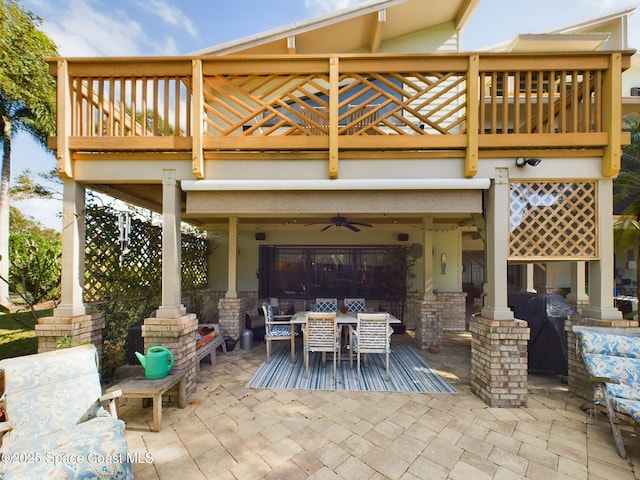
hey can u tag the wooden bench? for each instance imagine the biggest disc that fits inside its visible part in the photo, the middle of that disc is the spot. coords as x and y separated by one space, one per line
208 348
612 359
140 387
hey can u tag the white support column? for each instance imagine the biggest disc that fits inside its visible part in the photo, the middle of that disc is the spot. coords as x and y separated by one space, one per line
428 258
497 247
601 281
73 239
578 294
171 248
232 291
529 283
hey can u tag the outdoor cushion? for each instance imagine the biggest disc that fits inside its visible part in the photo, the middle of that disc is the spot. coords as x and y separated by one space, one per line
59 428
327 307
356 307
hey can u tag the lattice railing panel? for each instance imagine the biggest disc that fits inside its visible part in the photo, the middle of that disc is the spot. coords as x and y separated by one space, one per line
262 104
111 273
553 220
431 103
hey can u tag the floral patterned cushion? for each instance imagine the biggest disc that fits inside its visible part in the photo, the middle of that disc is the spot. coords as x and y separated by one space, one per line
51 401
94 449
616 357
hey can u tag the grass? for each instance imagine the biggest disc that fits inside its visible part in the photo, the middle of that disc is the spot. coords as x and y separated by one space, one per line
17 333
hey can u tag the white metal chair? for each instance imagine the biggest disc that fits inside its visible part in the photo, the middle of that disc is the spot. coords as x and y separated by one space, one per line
321 334
372 334
277 329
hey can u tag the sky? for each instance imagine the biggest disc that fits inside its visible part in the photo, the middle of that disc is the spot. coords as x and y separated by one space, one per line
113 28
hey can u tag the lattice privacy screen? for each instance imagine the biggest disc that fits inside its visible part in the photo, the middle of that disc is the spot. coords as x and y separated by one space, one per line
553 220
111 275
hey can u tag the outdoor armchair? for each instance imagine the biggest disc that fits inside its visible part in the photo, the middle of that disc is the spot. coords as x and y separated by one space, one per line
372 334
321 334
278 329
57 426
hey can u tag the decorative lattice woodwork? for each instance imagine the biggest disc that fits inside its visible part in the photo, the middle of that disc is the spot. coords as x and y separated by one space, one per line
553 220
110 274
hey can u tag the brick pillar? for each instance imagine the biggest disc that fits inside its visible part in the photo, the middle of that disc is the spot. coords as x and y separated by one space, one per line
429 326
79 329
499 361
579 383
232 315
178 335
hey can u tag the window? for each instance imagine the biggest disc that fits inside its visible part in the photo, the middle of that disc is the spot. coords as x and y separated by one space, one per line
318 271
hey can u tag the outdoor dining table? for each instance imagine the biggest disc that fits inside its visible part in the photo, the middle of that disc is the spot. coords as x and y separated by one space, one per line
343 319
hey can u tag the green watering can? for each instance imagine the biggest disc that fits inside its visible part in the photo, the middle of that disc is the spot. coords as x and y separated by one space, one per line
156 363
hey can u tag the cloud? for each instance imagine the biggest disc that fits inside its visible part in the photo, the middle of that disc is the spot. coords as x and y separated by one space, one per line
79 29
318 7
169 14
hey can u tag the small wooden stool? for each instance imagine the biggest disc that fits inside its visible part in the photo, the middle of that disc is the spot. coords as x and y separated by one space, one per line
140 387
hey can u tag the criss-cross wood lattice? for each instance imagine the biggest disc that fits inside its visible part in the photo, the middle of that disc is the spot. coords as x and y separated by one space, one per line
553 220
140 271
372 103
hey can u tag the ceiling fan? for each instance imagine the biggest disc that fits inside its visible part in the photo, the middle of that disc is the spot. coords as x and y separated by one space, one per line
340 221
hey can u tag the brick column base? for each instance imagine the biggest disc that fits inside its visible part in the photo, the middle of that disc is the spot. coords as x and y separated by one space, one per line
579 383
178 335
79 330
499 361
232 313
429 325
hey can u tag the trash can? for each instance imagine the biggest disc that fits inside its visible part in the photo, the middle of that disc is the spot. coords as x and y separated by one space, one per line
246 339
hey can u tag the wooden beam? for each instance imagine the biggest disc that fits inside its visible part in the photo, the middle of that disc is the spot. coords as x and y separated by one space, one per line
376 36
612 117
198 120
63 92
473 112
291 44
334 78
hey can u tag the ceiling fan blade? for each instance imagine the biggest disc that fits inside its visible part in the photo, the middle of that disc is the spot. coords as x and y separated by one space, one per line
351 227
361 224
326 228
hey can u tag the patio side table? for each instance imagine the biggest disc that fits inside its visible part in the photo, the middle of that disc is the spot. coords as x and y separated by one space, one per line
140 387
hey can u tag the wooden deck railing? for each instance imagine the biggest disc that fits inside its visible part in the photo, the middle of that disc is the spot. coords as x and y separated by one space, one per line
464 102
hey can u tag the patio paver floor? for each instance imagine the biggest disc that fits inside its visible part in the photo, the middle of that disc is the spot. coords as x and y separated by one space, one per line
228 431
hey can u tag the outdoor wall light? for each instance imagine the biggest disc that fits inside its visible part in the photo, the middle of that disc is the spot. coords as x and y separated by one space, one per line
523 162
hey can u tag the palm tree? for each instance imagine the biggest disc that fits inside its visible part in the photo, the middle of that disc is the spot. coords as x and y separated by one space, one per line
627 196
27 101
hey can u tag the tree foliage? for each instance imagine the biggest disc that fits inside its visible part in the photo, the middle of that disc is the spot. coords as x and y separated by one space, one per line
27 99
627 193
35 259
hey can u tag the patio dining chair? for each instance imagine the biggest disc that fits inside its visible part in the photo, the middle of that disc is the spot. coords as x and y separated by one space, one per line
326 305
355 305
278 329
320 333
372 334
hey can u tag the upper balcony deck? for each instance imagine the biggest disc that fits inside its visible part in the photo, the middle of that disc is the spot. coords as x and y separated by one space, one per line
468 105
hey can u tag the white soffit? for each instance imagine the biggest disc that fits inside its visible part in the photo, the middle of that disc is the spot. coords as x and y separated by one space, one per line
339 184
558 42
